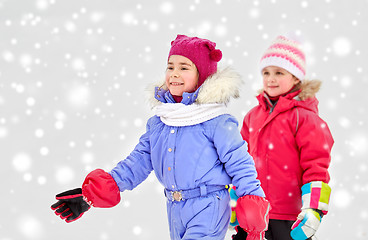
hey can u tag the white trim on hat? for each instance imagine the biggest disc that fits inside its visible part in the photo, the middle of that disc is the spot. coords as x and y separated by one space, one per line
282 63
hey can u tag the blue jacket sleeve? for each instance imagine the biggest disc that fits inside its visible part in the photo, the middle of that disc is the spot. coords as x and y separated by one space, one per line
233 152
130 172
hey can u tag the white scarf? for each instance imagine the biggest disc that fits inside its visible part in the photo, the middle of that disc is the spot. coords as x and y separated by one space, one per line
178 114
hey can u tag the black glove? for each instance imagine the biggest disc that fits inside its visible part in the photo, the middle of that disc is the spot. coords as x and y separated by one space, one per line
240 234
71 205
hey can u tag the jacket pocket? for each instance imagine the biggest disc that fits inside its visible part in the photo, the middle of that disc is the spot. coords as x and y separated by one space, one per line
215 210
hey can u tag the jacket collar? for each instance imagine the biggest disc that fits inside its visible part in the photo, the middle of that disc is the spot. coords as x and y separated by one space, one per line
165 96
305 98
218 88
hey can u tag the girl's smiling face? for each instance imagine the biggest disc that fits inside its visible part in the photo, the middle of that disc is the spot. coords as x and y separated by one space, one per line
277 81
181 75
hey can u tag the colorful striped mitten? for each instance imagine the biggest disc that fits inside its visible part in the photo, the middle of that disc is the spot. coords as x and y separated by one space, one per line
315 198
233 200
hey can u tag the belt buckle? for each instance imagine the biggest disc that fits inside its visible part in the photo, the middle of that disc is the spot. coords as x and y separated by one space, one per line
176 196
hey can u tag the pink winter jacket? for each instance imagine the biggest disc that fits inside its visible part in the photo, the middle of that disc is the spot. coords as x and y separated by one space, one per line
290 145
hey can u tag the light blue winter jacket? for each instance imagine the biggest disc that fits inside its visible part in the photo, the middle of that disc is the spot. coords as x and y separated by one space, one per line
212 152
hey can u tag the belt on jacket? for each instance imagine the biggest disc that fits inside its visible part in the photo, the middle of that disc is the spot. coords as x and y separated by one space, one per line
201 191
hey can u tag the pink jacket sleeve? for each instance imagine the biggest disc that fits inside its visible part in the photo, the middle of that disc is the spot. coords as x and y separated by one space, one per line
315 141
244 131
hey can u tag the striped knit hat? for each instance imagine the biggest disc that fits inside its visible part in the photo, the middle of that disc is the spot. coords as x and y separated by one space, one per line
285 53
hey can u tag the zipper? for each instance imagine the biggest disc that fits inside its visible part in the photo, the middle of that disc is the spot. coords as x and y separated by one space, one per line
267 173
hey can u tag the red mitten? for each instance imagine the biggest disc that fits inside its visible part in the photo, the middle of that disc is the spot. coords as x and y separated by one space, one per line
252 213
100 189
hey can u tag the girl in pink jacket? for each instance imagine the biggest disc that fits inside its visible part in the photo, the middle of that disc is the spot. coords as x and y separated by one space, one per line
290 144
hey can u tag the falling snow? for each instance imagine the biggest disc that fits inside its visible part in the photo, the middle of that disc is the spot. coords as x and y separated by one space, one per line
73 80
22 162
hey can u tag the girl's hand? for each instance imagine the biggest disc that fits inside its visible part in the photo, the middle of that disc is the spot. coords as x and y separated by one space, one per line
70 205
307 224
252 213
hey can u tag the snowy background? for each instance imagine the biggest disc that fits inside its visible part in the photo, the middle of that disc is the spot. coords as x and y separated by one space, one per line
73 75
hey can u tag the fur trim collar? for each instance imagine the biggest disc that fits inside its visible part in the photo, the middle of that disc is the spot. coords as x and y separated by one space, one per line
218 88
308 89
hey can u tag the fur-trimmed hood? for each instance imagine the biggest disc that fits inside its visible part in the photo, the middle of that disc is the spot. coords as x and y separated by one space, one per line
308 89
304 96
218 88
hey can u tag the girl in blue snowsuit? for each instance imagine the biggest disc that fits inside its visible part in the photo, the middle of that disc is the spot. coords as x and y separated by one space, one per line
194 148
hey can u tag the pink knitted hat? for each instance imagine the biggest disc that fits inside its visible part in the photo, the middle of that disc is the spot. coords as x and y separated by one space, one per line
200 51
285 53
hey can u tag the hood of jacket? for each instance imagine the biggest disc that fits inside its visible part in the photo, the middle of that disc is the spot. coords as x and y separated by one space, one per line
305 97
218 88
